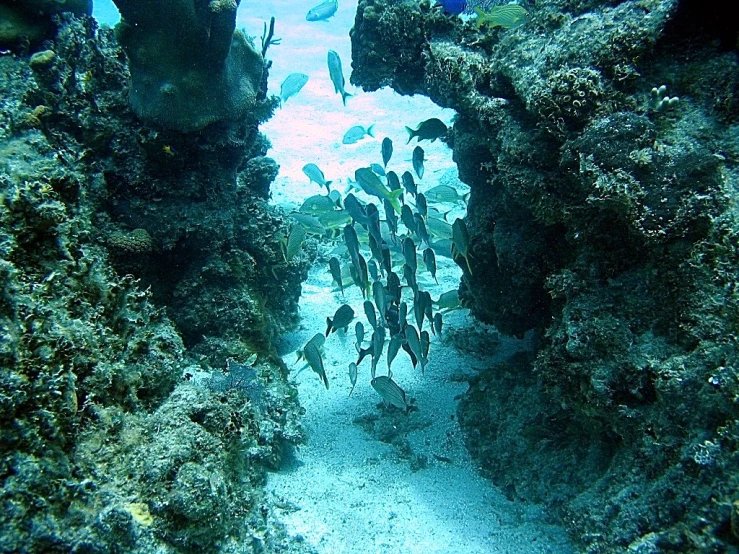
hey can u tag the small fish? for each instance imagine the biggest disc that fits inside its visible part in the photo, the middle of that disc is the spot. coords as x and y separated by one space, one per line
394 183
357 133
393 287
392 350
431 129
437 324
337 74
373 272
409 253
387 150
421 230
292 85
449 300
387 260
461 242
361 272
372 185
378 169
335 219
378 344
509 16
414 342
293 242
352 243
409 274
352 376
403 316
406 216
439 228
391 219
370 314
317 204
429 259
446 194
390 391
314 173
313 356
418 157
317 340
359 333
341 320
310 223
356 209
322 11
409 183
425 346
378 294
421 204
452 7
373 226
335 268
418 311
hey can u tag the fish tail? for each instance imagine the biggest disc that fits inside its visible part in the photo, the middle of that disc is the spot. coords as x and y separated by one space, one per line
481 16
411 134
344 96
394 202
371 130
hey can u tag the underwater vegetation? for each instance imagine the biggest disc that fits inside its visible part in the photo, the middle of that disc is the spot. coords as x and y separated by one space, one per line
143 279
602 216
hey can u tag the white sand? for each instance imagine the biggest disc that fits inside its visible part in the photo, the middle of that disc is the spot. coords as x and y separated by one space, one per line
347 492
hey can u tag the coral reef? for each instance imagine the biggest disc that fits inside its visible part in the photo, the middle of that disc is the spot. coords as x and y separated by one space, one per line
112 440
605 222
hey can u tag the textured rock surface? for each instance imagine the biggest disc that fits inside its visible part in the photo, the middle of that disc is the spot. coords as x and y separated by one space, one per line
606 224
111 438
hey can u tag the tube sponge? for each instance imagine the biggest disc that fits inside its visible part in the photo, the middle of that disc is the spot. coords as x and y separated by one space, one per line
189 66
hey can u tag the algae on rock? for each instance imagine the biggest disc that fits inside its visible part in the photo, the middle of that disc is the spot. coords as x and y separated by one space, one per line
608 228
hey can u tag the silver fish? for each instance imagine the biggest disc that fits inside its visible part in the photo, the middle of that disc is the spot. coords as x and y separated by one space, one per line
337 74
429 258
352 376
372 185
461 242
335 268
315 361
292 85
359 333
378 344
390 391
314 173
418 157
357 133
322 11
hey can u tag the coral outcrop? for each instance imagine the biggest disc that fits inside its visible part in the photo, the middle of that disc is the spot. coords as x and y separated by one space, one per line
116 241
606 222
189 66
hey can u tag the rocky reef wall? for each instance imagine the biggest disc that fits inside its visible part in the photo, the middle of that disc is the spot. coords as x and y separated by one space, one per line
602 216
141 401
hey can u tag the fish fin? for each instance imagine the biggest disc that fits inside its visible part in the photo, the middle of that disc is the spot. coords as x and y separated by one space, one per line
344 96
328 328
411 134
371 130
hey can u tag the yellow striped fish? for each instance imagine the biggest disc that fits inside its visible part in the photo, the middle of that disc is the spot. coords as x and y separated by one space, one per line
509 16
